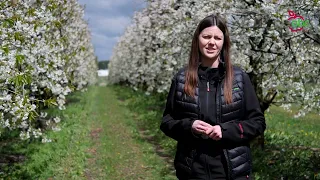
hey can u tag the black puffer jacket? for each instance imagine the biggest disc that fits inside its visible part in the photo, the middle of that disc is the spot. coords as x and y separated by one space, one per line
241 121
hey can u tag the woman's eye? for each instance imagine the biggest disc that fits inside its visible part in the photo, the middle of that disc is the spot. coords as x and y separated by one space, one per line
206 37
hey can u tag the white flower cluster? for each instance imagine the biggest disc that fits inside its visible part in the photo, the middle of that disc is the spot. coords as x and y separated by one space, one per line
158 42
45 53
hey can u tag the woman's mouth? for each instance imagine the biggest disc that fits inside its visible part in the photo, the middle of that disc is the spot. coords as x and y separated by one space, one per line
210 50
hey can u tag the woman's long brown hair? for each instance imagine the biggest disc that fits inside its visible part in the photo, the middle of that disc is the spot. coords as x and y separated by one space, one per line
195 57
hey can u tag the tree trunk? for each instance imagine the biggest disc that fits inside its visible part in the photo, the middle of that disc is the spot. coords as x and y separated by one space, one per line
265 101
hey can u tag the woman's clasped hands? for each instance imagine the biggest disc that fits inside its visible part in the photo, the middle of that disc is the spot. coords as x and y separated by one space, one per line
207 130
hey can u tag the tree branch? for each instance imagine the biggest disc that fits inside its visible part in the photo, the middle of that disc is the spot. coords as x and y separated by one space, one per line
265 32
269 51
310 37
267 100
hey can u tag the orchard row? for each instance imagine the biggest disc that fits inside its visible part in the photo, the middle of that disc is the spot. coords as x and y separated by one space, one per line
46 53
284 66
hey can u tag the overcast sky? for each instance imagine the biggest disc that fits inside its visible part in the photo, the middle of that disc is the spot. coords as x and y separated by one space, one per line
107 21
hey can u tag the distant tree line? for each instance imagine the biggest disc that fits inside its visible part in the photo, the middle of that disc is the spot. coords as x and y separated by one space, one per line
103 64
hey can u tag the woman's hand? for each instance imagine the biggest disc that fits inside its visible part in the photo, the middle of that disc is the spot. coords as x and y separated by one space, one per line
214 132
200 127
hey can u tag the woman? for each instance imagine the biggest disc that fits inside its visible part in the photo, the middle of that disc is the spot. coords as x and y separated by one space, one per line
212 110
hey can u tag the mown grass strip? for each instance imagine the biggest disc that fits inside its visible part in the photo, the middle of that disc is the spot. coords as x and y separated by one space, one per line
99 139
122 153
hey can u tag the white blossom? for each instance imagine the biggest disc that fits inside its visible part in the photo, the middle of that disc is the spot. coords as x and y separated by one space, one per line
158 41
44 56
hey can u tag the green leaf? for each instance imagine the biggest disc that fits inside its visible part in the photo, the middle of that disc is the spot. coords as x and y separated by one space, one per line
19 36
32 115
82 48
58 24
19 59
8 23
50 102
21 79
31 12
6 50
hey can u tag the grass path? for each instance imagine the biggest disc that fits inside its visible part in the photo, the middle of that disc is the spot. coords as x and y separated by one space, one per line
99 139
117 150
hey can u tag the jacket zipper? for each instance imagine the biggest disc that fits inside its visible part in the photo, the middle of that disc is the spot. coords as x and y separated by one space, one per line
228 164
207 96
218 100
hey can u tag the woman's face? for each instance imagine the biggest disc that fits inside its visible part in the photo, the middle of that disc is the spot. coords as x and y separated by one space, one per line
211 42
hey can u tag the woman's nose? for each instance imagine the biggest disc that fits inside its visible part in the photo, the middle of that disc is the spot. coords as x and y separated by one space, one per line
212 41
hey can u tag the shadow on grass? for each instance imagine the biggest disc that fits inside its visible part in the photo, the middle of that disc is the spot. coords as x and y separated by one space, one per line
72 100
14 152
10 149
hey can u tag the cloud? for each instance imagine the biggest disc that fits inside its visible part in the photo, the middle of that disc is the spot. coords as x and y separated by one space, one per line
114 7
111 25
103 53
103 45
104 4
107 22
101 40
